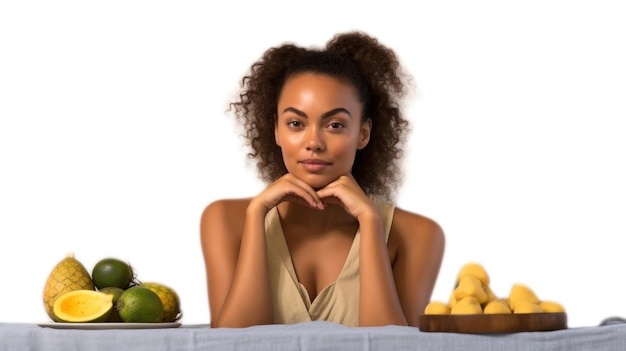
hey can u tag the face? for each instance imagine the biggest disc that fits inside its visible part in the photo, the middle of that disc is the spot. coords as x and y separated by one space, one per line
319 127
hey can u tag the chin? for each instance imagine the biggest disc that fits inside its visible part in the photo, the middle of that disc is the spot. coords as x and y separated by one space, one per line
318 185
316 182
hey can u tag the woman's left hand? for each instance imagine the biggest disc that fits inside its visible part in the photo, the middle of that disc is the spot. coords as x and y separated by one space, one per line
347 193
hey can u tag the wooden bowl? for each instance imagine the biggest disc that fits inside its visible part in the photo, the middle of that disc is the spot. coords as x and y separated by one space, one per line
492 323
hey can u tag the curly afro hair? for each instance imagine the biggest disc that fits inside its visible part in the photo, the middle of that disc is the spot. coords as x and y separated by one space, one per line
372 68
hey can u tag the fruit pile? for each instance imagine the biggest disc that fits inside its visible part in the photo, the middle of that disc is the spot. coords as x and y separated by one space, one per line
110 294
472 295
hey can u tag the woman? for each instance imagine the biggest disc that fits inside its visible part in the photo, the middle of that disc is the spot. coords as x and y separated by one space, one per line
322 241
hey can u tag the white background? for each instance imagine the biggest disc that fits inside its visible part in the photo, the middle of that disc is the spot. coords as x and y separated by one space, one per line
114 136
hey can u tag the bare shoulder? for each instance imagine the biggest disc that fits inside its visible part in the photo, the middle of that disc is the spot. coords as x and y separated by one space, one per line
224 217
219 206
412 230
408 221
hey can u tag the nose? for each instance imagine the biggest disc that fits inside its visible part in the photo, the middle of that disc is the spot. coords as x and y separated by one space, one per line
315 140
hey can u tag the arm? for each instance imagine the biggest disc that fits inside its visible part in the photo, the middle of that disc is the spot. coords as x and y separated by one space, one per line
379 302
419 244
378 299
236 265
392 290
236 254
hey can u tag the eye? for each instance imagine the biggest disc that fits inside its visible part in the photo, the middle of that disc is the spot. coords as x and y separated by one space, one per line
294 124
336 125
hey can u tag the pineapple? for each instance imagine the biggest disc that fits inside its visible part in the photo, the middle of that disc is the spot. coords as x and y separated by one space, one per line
68 275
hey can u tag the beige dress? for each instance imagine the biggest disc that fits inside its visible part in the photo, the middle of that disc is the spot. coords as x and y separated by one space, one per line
337 302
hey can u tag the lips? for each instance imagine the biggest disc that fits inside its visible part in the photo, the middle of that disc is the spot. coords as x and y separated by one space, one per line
314 165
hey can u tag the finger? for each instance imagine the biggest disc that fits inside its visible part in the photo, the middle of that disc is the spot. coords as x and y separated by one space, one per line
334 189
307 193
303 193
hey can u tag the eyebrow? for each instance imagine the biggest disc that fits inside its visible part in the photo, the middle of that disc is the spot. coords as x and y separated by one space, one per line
324 115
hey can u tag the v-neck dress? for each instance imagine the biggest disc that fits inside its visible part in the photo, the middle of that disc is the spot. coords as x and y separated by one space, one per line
337 302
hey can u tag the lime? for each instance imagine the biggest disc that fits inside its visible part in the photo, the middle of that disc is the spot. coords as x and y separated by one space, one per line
111 272
140 305
116 293
169 298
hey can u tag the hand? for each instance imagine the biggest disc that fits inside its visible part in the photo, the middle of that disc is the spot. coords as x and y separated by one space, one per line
346 192
288 188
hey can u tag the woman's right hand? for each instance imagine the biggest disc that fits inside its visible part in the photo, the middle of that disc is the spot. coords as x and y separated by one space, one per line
236 254
286 188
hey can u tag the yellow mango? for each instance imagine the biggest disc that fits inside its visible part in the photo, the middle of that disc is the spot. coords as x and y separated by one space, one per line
453 300
490 295
470 286
551 307
524 306
476 270
506 300
497 307
437 307
467 305
521 292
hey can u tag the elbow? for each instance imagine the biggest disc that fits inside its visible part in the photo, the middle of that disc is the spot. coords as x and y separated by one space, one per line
239 323
380 320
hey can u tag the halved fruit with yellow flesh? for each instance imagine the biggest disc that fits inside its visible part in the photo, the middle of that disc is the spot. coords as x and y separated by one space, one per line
83 306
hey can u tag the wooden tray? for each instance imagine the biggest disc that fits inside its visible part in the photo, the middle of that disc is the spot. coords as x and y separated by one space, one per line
492 323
